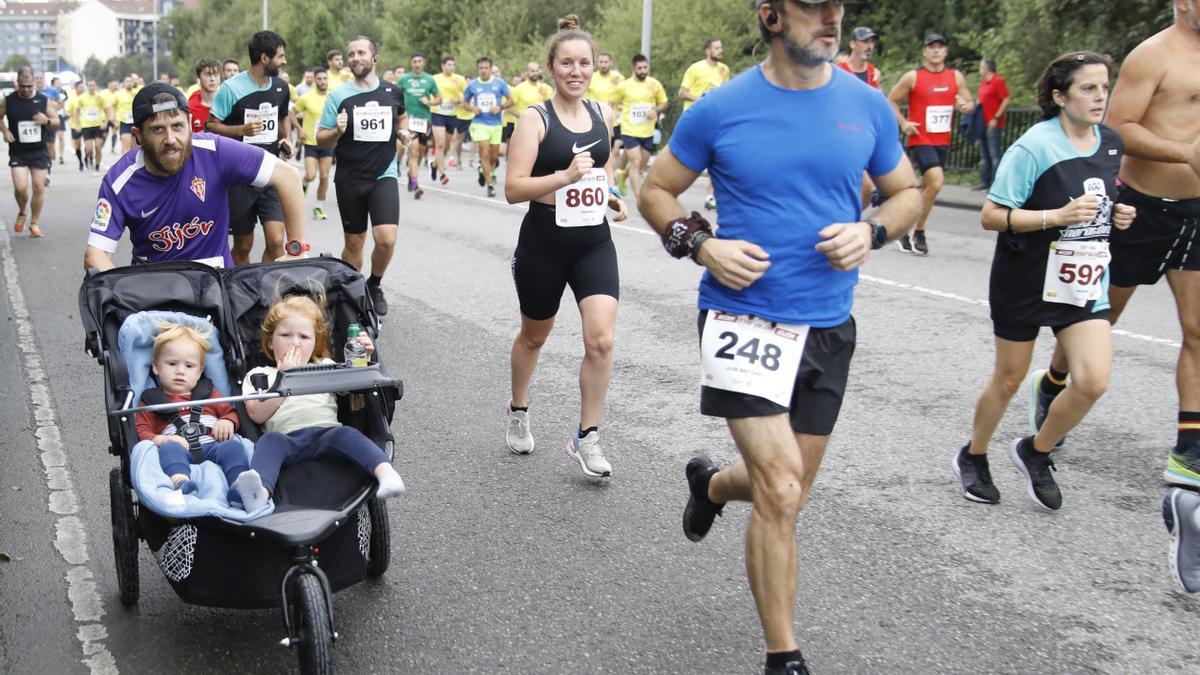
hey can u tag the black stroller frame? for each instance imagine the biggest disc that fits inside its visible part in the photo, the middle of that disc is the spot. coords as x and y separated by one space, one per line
296 557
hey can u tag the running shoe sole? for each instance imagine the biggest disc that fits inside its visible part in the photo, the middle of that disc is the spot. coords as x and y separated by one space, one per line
1177 539
965 494
417 194
573 454
1020 464
1178 474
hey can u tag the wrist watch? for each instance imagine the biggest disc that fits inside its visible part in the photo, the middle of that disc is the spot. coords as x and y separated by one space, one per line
295 247
879 234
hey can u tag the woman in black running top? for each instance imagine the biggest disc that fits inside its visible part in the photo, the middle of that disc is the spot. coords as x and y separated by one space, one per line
559 162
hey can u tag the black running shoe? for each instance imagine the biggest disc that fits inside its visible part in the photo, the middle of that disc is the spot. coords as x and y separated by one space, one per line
491 191
919 244
1037 467
976 477
905 243
433 172
377 299
790 668
481 181
699 513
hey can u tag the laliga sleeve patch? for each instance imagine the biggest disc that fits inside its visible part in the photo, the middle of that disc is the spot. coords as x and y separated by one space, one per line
103 215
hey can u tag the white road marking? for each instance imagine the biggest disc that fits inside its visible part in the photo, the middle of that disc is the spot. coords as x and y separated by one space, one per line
70 540
899 285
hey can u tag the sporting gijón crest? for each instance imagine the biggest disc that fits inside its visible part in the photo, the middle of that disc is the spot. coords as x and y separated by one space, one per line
198 187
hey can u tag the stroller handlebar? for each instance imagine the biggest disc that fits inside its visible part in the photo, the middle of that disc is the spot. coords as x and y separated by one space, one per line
310 379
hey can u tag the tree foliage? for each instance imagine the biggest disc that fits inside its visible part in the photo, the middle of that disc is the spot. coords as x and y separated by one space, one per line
1022 35
15 61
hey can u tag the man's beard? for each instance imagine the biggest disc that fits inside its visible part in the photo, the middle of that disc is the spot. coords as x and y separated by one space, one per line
642 77
360 70
535 78
161 166
803 55
271 71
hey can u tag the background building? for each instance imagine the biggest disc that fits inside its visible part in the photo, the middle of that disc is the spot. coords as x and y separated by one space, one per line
57 36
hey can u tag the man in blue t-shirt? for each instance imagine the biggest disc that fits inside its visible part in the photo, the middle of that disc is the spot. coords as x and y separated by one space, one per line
172 193
776 330
487 95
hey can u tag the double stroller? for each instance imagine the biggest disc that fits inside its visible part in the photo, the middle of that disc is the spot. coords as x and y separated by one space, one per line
327 530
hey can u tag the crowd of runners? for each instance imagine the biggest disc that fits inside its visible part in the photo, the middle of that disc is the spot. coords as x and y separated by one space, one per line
1100 197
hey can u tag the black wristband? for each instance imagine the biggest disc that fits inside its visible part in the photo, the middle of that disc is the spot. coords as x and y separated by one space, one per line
694 244
1008 221
678 238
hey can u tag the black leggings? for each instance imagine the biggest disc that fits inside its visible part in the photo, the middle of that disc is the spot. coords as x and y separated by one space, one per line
549 258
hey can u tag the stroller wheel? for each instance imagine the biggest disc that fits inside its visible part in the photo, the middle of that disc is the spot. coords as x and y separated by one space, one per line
312 625
125 540
381 539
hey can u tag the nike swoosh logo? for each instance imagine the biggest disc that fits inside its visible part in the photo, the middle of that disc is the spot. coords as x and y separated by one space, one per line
147 214
576 149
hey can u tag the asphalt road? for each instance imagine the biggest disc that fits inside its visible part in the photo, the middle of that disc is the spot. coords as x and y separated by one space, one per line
503 563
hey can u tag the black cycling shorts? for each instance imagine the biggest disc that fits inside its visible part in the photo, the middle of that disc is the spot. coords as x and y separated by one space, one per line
549 258
1164 236
94 133
819 390
378 200
1015 331
248 205
928 157
317 152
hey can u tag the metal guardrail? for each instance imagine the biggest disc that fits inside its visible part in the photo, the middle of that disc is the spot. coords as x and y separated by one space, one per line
964 153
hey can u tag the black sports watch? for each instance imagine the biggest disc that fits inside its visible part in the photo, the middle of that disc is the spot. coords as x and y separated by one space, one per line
879 233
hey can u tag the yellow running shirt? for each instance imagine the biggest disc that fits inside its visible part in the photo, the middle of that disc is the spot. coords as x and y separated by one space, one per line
311 105
603 86
524 95
91 110
450 88
701 78
124 105
636 99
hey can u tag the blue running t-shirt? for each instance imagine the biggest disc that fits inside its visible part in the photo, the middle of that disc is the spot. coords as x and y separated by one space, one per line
485 95
784 165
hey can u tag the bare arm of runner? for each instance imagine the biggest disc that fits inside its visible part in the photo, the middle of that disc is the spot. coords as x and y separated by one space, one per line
899 94
734 263
1140 76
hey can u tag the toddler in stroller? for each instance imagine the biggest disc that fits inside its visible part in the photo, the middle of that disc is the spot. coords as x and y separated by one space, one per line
203 432
302 428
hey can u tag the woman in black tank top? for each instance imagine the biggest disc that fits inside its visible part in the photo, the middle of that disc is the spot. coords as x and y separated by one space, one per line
559 162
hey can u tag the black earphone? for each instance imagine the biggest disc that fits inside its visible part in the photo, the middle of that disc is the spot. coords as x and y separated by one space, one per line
772 18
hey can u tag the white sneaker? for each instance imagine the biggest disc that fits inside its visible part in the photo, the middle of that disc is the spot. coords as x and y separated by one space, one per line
518 437
587 452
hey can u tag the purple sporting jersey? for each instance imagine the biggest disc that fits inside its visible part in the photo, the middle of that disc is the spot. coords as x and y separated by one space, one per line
181 217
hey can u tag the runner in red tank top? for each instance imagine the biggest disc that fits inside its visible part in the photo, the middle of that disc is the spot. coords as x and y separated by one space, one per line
933 93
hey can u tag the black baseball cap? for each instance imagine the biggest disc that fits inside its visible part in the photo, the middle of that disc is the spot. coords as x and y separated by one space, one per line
936 37
144 107
862 33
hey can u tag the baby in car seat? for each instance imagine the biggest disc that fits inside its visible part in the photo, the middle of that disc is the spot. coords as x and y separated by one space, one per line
202 432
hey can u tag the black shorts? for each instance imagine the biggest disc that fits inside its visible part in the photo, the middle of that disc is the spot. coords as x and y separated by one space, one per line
453 124
63 124
1014 331
633 142
248 204
94 133
33 160
317 152
508 132
76 134
378 199
1164 236
819 390
928 157
548 258
439 120
616 137
424 139
126 129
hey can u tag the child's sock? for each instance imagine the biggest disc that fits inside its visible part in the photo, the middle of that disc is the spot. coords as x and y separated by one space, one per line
184 483
390 483
251 491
